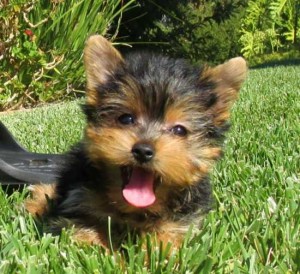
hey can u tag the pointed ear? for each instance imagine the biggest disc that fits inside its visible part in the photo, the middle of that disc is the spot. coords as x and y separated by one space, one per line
232 73
101 59
227 79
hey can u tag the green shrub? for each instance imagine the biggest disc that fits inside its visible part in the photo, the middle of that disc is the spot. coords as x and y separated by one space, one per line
276 58
270 26
41 45
202 31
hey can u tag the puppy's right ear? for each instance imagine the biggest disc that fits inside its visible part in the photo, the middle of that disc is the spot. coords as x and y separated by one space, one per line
101 59
227 79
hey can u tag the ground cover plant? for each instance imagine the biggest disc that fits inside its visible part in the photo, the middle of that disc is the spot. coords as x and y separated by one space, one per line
254 228
41 45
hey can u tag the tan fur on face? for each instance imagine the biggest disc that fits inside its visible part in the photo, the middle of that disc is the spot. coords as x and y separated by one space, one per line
110 144
174 161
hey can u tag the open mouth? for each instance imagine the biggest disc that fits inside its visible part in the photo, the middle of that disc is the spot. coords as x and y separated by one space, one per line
138 186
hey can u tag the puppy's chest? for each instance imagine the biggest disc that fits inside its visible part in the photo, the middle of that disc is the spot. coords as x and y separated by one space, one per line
97 209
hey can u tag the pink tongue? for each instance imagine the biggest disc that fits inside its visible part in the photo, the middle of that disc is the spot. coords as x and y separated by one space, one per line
139 191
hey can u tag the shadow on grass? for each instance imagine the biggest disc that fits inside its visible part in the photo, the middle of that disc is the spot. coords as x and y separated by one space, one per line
277 63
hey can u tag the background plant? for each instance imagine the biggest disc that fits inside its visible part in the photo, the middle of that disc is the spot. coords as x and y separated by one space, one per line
41 42
270 26
213 31
41 46
202 31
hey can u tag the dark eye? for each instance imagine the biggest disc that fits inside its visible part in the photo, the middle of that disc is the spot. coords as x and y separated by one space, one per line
179 130
126 119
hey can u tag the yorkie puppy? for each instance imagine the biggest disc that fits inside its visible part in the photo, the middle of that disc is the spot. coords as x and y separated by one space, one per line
155 126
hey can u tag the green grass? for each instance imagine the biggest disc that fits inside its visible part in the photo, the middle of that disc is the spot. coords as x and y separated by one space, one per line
254 228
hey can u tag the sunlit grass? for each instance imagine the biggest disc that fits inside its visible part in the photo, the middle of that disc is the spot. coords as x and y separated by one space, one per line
254 228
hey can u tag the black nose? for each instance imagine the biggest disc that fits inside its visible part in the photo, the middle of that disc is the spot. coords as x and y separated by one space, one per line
143 152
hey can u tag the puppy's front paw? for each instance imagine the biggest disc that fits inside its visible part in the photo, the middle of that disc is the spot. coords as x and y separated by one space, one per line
41 195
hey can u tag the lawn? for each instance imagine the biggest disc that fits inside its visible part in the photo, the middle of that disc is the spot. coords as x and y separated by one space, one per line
254 227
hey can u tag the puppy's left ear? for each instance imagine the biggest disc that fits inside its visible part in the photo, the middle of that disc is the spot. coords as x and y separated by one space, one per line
227 79
101 60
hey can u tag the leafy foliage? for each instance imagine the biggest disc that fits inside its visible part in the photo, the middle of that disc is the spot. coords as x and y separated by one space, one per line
270 25
42 43
202 31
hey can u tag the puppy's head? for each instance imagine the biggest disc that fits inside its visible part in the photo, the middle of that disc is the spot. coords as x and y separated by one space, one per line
155 122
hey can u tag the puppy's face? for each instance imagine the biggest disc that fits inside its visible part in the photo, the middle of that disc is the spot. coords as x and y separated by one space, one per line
156 123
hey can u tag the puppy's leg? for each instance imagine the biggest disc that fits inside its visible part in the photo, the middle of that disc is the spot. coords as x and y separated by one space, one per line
38 203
